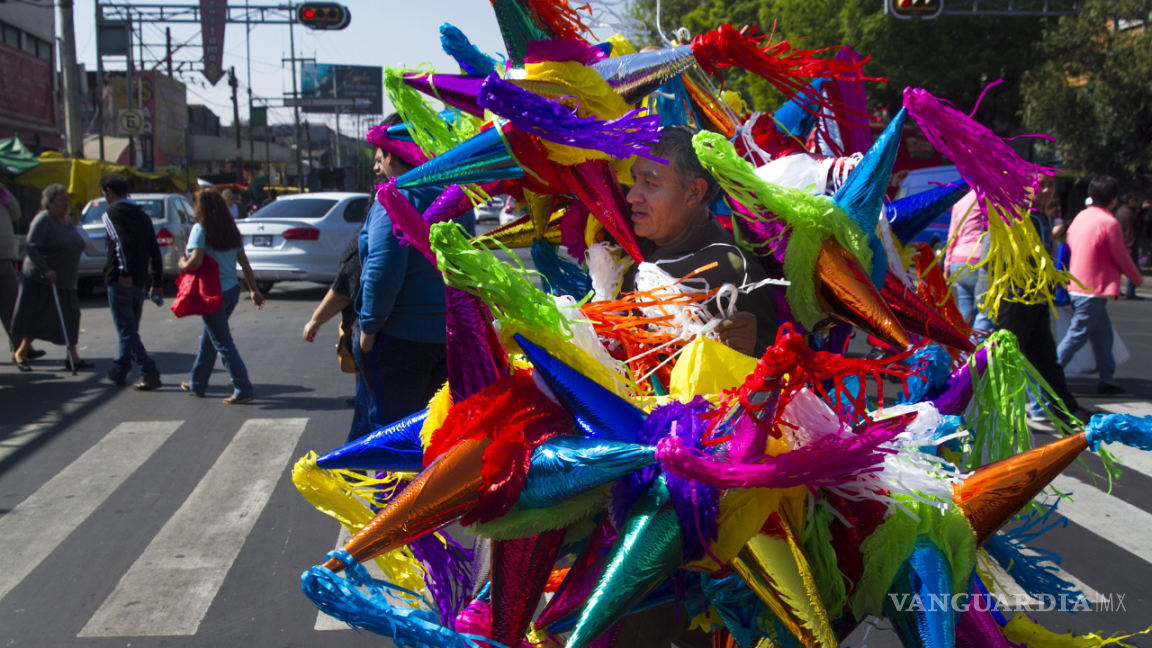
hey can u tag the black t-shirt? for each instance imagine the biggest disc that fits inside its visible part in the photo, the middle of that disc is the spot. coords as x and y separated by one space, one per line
347 282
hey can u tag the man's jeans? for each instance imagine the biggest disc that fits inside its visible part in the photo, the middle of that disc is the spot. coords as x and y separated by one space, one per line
968 291
1130 292
216 339
1090 325
127 304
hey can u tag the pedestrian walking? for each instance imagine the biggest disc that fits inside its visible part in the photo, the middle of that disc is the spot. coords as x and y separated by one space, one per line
215 235
10 213
1130 226
967 247
230 200
48 307
400 346
1099 257
133 272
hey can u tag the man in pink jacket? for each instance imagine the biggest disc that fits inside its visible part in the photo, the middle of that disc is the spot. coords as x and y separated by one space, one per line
1099 256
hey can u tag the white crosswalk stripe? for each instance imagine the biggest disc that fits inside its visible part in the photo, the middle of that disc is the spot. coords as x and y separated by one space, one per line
168 590
36 526
325 622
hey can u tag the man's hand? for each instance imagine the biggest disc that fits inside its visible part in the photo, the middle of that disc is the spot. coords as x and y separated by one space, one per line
126 281
739 333
157 293
258 300
311 329
367 341
50 276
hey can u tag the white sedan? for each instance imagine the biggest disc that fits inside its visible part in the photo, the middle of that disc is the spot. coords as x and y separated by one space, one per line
299 237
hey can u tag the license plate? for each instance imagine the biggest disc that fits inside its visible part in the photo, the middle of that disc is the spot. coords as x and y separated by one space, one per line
262 240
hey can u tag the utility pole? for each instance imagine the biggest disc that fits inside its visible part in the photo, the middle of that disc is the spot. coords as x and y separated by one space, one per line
168 48
295 95
336 93
308 143
128 88
236 123
74 131
99 78
248 54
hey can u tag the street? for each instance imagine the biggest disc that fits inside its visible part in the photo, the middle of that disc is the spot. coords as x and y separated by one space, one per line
160 519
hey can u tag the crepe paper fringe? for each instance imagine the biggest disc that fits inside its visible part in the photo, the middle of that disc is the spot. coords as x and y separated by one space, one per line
522 523
469 57
933 366
1132 431
780 65
448 567
431 132
984 160
1024 631
1034 570
343 495
561 277
438 409
344 599
811 220
554 122
978 626
560 18
821 554
405 218
1019 268
697 504
573 224
563 50
409 151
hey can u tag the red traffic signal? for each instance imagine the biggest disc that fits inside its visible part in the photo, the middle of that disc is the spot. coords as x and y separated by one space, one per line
323 15
915 8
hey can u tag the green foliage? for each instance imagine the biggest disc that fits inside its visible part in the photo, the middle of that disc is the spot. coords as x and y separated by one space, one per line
1093 91
951 57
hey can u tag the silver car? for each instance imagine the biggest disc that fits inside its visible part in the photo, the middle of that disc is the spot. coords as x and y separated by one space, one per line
171 217
300 237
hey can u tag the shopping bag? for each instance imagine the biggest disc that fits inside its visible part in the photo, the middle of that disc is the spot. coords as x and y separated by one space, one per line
198 291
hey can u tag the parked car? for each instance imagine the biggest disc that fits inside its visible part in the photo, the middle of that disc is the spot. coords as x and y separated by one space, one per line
920 180
490 211
300 237
171 217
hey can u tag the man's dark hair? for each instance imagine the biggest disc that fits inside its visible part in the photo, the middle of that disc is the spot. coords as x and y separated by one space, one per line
675 145
392 120
115 183
1103 190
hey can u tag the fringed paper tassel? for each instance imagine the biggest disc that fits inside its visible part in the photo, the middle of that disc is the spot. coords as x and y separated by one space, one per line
562 277
368 608
470 59
1024 631
1132 431
559 17
818 546
1033 569
429 129
553 121
783 67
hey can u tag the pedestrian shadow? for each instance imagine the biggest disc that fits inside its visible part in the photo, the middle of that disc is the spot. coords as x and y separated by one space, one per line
276 397
1084 386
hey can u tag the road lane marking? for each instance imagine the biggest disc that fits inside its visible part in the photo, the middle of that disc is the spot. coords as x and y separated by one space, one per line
32 530
170 587
1111 518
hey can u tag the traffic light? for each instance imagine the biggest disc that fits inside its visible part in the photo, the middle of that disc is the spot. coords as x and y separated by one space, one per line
915 8
323 15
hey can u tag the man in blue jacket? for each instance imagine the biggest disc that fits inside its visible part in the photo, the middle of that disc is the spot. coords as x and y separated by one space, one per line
400 343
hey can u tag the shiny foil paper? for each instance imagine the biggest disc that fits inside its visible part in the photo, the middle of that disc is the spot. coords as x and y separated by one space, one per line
475 357
920 318
774 566
634 76
521 232
845 292
394 447
994 493
926 577
582 576
594 183
957 392
520 569
456 90
648 550
565 466
481 158
444 491
599 413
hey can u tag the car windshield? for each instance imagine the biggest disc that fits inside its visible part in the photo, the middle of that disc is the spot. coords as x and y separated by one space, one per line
95 210
296 208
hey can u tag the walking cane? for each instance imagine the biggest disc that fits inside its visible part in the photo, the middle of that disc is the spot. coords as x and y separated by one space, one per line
64 330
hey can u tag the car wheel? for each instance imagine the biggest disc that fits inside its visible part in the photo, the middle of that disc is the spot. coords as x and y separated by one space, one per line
265 287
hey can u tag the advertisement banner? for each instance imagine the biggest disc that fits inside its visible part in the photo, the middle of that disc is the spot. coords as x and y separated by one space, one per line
363 84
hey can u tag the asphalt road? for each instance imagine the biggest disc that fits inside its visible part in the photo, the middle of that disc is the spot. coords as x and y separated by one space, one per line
160 519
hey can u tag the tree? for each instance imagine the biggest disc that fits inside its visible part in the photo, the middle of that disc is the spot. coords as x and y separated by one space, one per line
951 57
1093 91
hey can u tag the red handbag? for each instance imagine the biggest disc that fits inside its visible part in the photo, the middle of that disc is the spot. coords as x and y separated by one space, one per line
198 291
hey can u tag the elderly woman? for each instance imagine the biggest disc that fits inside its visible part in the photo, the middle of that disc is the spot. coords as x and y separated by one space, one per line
53 248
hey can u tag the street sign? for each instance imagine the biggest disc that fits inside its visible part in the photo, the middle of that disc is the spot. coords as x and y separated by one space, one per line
258 116
924 9
213 14
320 103
130 122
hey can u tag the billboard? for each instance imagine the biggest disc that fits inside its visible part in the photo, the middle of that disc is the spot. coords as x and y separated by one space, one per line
323 81
162 101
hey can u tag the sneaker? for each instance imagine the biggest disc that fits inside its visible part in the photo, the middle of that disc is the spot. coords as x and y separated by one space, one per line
148 384
240 400
117 378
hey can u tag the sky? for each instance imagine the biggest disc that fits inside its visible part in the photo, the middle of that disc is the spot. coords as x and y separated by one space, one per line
381 33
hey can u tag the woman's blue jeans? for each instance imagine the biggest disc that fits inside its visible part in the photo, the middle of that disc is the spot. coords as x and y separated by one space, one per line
217 340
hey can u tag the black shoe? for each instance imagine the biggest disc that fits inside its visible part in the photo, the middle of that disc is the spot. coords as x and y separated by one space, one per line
350 401
36 353
22 365
117 378
1133 297
83 364
1110 389
148 384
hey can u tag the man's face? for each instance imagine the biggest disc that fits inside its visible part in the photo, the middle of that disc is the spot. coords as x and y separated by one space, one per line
1047 190
662 205
378 166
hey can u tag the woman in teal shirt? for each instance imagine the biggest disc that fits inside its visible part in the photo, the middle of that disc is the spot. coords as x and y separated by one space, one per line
215 234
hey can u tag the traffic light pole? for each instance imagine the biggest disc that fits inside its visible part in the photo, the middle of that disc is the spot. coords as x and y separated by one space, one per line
295 97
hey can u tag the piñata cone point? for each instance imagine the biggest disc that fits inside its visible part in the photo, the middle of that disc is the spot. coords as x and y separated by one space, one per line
520 569
919 317
845 292
994 493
